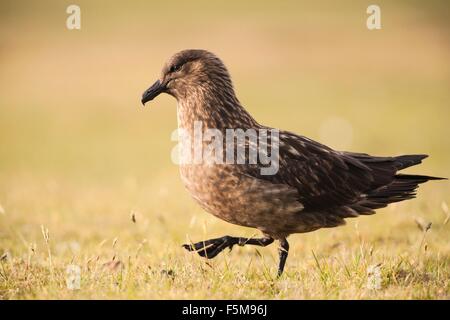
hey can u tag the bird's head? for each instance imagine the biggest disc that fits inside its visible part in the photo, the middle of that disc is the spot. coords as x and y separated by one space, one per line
189 72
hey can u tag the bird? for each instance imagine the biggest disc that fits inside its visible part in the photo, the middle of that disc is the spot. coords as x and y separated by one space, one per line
313 187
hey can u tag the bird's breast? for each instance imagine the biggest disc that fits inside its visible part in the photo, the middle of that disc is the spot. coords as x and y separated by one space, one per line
228 193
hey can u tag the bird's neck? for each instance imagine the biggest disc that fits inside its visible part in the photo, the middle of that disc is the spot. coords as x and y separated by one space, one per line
213 110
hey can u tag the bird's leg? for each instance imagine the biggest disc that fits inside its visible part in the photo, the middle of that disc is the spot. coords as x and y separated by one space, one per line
283 252
211 248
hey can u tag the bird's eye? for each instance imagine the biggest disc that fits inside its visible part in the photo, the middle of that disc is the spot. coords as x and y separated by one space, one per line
175 68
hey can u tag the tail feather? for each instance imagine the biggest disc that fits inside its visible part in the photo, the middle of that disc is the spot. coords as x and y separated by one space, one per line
400 186
402 162
416 177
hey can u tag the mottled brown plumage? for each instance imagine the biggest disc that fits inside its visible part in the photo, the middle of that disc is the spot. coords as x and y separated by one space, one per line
315 186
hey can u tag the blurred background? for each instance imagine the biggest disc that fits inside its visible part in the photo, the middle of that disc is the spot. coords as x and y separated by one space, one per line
79 153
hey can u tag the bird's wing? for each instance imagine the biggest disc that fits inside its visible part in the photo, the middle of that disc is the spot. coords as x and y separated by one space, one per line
323 177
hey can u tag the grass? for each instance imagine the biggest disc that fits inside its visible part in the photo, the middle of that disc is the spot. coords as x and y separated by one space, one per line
122 259
85 173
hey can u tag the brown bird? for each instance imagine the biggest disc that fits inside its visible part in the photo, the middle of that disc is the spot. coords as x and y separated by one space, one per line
313 186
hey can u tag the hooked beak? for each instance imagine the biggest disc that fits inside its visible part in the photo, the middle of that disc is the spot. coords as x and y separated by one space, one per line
153 92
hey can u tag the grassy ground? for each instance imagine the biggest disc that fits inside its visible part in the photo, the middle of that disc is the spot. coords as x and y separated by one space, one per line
79 157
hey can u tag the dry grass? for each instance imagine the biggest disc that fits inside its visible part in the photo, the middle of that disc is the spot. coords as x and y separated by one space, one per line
86 177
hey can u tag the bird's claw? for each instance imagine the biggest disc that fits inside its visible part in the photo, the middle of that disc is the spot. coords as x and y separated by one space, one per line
211 248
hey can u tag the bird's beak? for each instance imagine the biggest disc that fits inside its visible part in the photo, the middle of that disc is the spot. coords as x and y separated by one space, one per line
153 92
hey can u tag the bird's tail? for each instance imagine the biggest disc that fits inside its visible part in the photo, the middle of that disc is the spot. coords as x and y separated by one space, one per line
406 161
403 187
